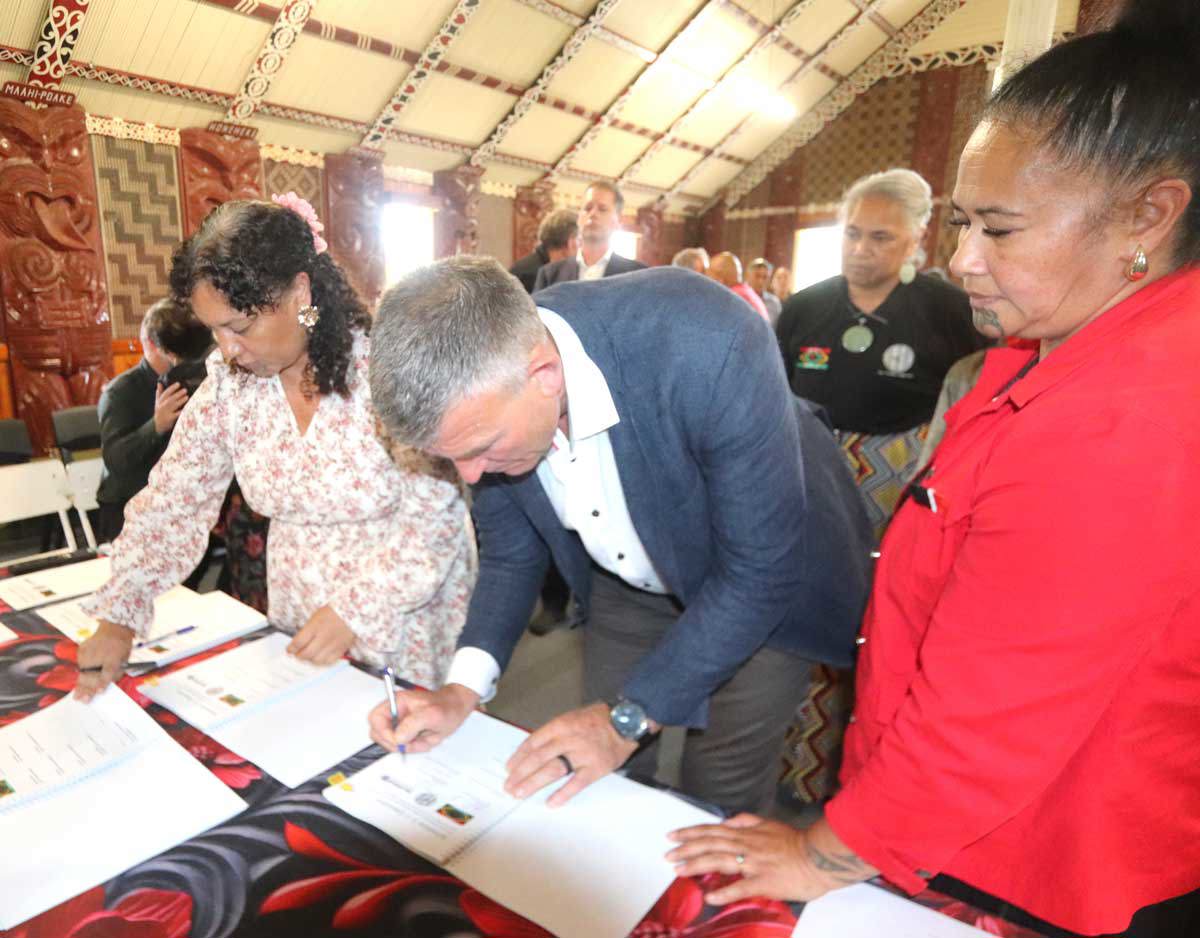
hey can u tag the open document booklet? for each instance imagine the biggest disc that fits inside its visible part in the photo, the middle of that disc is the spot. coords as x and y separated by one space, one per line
89 790
290 718
185 623
866 911
590 869
54 584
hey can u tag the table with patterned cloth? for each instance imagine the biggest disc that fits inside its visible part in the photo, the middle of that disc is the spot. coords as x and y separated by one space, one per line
293 864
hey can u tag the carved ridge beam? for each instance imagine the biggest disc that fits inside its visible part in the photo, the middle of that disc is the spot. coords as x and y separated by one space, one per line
571 48
410 84
848 29
879 64
267 64
56 42
767 39
609 116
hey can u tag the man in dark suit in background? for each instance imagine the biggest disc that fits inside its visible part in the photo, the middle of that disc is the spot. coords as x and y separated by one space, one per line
640 430
557 239
599 219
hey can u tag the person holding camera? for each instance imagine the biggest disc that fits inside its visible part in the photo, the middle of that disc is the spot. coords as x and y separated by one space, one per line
139 407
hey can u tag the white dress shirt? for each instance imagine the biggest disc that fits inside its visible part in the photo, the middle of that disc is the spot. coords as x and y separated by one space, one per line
582 482
592 271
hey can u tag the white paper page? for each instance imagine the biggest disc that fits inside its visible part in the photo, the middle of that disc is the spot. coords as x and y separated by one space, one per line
6 634
866 911
603 852
153 797
47 586
290 718
70 619
438 801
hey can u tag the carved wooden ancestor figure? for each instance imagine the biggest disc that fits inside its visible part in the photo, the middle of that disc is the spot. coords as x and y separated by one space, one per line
457 230
52 288
214 169
532 204
354 197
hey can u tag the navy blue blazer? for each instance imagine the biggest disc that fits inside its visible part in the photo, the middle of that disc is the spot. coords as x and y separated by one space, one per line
738 491
568 269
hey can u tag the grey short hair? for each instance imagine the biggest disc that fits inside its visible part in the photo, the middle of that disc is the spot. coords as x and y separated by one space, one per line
442 333
557 228
902 186
685 258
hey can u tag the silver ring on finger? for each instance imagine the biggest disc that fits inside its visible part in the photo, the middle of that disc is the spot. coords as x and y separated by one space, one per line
740 860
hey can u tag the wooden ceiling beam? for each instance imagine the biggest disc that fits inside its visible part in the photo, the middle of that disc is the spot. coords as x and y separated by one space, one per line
56 42
766 39
411 83
571 48
267 64
878 65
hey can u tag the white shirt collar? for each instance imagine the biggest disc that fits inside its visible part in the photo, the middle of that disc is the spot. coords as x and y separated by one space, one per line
603 262
590 407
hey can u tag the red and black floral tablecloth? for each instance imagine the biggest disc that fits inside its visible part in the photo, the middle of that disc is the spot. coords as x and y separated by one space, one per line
294 865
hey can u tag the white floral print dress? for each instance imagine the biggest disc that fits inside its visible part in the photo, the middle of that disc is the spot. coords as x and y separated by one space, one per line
386 543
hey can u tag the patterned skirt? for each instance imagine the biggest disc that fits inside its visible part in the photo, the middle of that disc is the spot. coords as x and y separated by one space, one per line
882 465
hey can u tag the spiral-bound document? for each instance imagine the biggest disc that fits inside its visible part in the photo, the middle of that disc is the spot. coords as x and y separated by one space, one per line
590 869
89 790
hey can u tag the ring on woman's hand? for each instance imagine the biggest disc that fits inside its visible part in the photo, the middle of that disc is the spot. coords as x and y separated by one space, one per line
566 763
740 859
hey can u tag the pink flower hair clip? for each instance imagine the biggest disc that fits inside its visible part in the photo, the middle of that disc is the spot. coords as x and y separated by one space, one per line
302 208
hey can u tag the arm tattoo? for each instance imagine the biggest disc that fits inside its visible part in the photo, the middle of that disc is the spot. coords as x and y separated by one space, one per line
842 867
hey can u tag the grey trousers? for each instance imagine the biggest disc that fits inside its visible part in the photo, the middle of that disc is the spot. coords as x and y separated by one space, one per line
735 761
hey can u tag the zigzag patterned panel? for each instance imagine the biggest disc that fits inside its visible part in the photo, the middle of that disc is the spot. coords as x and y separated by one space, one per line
138 189
305 181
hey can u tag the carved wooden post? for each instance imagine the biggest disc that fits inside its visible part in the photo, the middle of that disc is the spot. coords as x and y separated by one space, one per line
650 221
354 200
781 229
214 169
532 204
53 295
712 228
456 228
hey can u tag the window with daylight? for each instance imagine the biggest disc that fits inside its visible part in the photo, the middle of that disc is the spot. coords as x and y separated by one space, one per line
407 231
818 255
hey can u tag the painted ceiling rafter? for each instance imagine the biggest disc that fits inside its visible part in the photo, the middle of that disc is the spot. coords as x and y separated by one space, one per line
571 48
879 64
878 19
410 84
267 64
614 109
56 42
764 41
812 63
377 46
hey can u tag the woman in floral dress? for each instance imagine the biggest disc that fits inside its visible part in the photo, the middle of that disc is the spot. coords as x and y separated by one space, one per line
370 547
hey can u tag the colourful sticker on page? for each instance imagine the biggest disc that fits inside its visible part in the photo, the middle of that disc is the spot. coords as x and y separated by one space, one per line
454 814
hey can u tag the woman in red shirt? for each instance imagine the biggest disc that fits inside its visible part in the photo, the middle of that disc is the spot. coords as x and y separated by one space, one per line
1029 679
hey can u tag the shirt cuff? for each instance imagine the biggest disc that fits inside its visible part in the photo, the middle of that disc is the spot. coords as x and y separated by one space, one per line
476 670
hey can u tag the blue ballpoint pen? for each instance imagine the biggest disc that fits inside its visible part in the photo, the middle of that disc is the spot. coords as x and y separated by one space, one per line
159 638
389 684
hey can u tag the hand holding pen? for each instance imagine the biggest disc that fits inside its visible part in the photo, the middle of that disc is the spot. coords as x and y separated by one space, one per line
389 685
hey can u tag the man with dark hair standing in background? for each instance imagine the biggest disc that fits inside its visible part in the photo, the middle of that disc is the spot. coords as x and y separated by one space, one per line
558 238
599 219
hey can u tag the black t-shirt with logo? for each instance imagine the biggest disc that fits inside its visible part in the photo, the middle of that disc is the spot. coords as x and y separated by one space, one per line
901 352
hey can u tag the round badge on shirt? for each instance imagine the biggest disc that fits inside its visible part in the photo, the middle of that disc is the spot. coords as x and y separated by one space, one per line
899 358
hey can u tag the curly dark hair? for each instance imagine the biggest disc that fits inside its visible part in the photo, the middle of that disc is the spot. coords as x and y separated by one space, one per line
250 252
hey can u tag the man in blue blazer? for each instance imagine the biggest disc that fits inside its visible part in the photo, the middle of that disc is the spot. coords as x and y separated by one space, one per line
640 430
599 220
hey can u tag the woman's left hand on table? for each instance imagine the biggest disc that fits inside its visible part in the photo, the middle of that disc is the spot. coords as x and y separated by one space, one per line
324 638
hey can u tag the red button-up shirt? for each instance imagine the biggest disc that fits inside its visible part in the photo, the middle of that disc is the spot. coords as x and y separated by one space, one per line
1028 715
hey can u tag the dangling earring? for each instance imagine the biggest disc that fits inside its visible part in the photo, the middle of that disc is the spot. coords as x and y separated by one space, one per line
908 272
308 316
1138 267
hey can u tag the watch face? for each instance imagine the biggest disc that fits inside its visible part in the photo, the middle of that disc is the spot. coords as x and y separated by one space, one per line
629 720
